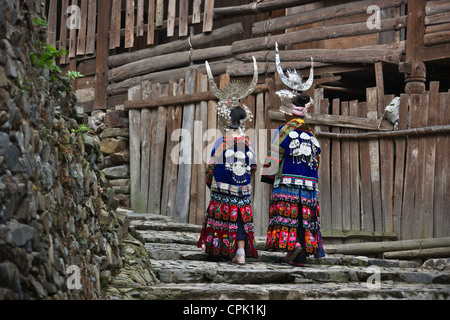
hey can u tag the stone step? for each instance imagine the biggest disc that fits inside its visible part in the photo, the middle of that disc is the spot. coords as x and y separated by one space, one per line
161 225
294 291
176 251
187 271
144 216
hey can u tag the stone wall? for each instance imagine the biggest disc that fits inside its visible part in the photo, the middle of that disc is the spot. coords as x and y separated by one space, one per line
57 213
111 126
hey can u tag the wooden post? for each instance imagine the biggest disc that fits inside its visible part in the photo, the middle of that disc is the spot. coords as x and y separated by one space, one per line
101 69
415 81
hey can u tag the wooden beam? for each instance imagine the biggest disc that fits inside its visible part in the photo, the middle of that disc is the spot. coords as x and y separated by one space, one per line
101 81
322 14
380 247
167 61
432 130
443 252
320 33
338 121
164 76
258 7
358 234
389 53
181 99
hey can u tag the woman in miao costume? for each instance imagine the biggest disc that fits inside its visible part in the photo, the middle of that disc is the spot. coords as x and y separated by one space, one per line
227 231
291 166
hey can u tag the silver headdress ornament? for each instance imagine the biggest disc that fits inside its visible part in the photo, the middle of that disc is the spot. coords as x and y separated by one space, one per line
294 81
230 95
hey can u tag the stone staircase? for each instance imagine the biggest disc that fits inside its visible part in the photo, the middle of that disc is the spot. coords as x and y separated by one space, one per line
182 271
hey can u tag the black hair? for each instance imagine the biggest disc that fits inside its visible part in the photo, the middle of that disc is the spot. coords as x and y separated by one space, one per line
301 99
237 114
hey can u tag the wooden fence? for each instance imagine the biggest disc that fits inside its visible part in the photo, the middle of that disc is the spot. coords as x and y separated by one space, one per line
392 183
375 182
73 22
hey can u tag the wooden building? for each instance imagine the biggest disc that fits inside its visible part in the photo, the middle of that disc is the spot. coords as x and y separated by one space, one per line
144 60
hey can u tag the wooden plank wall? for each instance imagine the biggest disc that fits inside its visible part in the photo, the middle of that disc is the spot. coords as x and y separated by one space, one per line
397 184
387 188
141 18
170 146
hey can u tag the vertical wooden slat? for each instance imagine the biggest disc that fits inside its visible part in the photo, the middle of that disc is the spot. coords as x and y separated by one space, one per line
159 13
374 152
196 11
63 30
183 19
212 135
263 144
196 160
52 22
114 41
171 14
101 80
387 175
92 22
366 187
140 18
411 169
260 143
146 142
134 116
168 163
208 16
181 213
400 156
156 165
335 161
441 216
201 206
172 153
418 231
151 22
129 24
325 174
445 225
345 176
386 159
156 93
81 46
355 201
73 31
430 162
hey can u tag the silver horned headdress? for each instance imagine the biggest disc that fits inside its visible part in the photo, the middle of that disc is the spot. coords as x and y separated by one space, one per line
294 81
230 95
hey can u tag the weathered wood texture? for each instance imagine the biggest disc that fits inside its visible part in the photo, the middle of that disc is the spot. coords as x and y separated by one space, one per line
401 174
375 182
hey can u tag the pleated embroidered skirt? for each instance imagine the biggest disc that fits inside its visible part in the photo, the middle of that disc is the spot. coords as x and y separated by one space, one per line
224 216
294 217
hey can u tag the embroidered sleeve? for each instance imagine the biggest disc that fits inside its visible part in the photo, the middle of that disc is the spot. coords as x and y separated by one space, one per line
209 174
